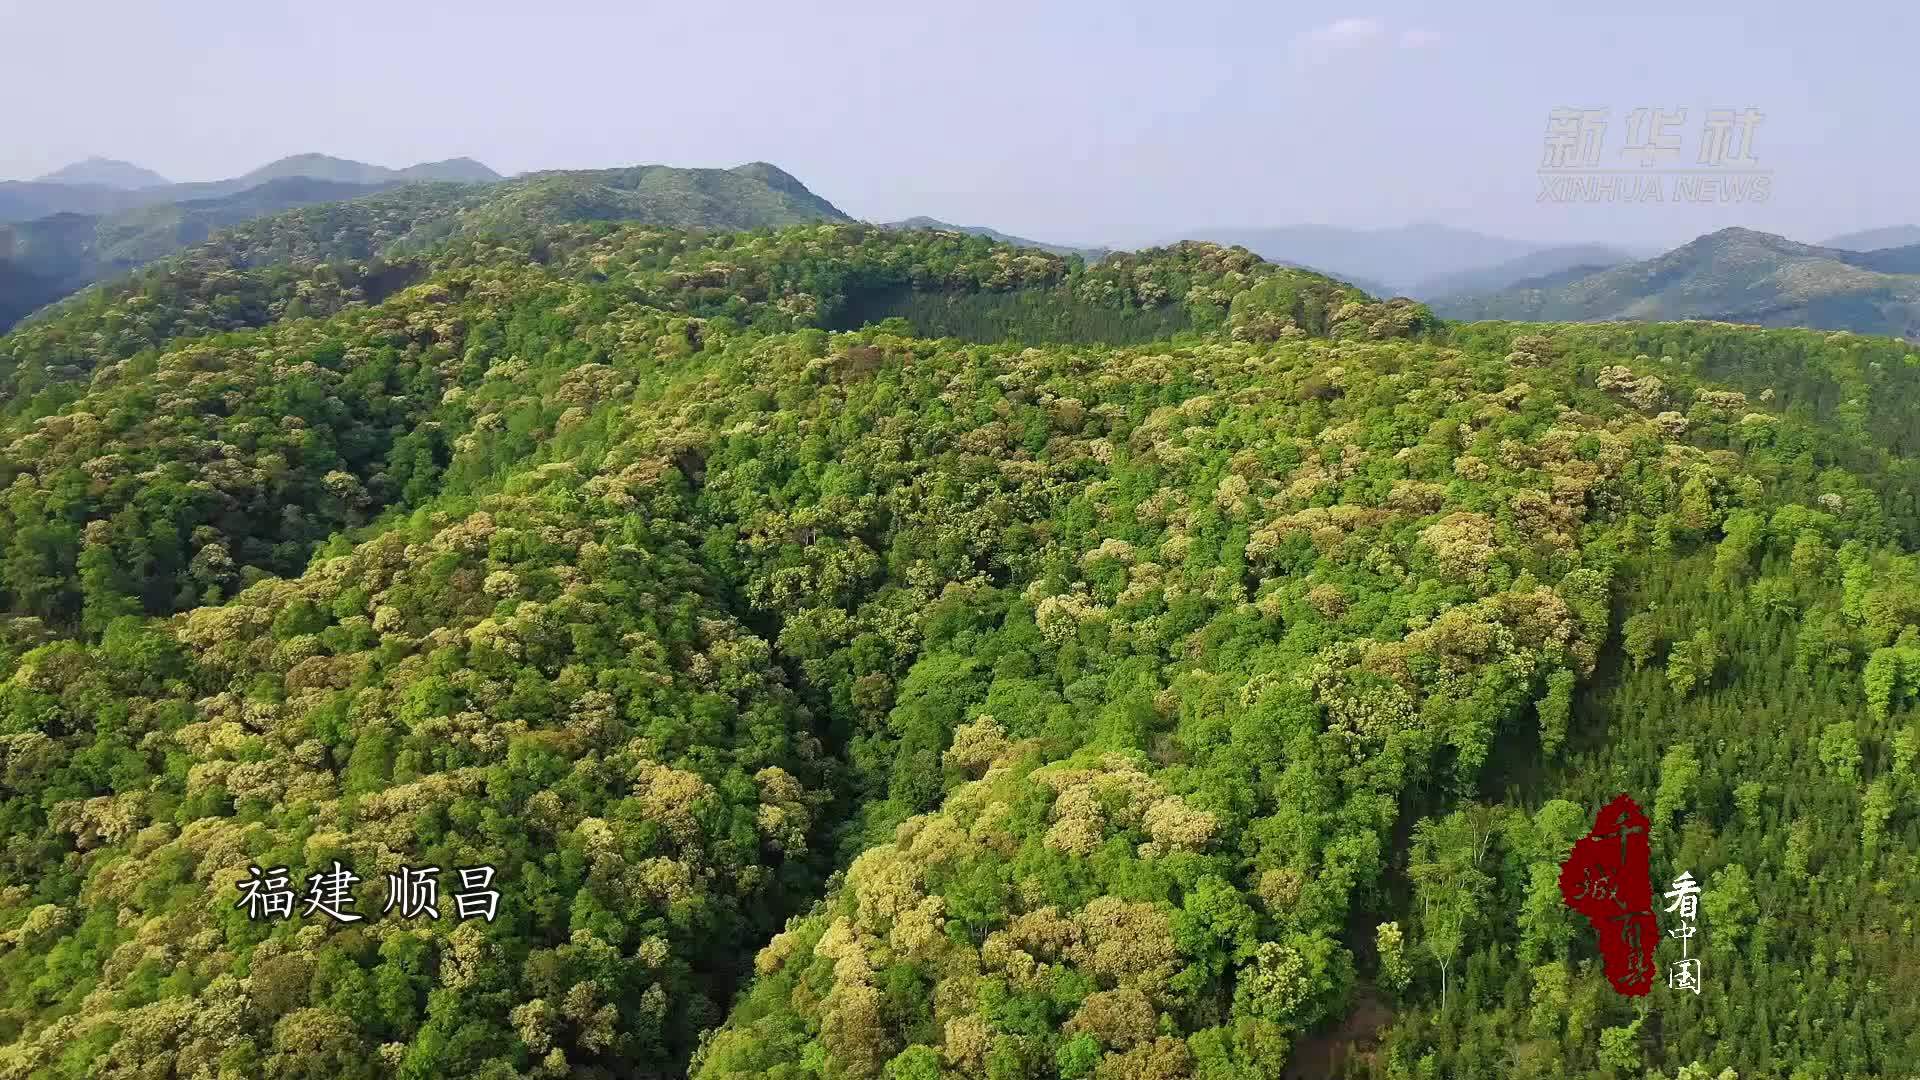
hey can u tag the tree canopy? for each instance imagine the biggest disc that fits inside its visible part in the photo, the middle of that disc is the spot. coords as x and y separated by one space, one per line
872 654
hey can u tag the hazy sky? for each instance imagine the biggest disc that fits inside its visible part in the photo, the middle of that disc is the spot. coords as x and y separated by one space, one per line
1085 121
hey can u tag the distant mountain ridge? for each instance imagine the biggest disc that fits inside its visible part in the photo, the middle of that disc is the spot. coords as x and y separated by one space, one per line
106 172
1891 236
1734 275
1547 262
339 171
461 170
30 199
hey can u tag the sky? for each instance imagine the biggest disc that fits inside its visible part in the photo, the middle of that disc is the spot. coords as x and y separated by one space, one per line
1117 121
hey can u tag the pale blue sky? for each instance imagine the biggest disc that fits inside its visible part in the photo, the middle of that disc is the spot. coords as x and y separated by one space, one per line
1088 122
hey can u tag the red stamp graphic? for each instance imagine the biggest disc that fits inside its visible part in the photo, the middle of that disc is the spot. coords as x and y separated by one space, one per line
1606 879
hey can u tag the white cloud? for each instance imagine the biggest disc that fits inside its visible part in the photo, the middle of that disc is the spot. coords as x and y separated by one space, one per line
1346 33
1323 43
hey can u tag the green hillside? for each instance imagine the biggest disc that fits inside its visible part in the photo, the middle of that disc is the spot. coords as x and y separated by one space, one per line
866 653
750 196
355 221
67 252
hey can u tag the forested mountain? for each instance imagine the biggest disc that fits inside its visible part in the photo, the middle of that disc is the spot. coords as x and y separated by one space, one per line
55 256
868 653
99 218
754 195
106 172
1734 275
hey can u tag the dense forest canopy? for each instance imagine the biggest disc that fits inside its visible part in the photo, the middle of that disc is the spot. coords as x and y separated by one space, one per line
894 654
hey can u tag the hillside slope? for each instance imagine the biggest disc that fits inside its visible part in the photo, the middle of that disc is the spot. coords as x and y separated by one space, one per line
750 196
59 255
1172 667
64 253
